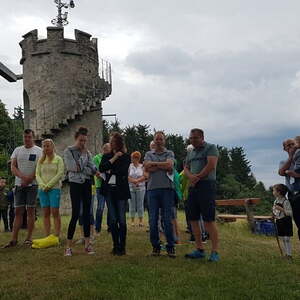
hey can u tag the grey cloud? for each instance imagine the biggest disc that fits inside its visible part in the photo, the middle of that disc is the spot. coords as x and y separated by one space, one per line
232 70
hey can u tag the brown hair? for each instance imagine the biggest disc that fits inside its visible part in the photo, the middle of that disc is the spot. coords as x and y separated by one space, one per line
28 131
81 131
281 189
199 131
119 140
159 132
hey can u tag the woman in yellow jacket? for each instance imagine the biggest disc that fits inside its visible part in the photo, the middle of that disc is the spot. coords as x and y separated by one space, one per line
49 172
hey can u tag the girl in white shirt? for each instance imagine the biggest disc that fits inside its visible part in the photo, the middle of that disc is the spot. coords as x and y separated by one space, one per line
282 212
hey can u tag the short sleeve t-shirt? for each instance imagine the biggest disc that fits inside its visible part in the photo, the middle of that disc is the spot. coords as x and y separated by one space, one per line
97 160
136 172
159 179
288 180
196 160
27 159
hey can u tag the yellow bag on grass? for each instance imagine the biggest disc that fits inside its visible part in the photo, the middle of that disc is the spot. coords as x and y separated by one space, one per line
46 242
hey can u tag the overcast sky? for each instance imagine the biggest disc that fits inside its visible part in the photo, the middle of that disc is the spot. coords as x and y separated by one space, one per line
230 67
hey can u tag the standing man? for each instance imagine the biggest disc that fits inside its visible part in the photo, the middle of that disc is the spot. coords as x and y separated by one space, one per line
23 164
287 169
161 194
200 168
288 165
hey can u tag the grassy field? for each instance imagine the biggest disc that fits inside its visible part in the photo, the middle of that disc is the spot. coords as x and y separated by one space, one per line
251 268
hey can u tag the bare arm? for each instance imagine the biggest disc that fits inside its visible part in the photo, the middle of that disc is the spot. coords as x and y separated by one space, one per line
131 179
211 165
25 178
285 167
150 167
292 174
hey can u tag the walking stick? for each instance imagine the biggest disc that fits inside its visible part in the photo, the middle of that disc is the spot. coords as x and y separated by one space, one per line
276 235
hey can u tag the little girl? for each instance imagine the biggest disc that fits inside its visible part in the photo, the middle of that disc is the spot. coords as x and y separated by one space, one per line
282 212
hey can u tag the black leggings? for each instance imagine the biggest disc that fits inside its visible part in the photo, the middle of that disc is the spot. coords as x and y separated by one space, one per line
80 192
295 203
3 214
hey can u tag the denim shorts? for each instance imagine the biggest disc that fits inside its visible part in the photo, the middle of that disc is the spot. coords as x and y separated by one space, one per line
25 196
201 201
50 198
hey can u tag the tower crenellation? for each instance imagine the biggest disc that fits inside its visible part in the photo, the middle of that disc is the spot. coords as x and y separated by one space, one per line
62 85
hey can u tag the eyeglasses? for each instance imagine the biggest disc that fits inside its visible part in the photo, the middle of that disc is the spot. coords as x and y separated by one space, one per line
291 144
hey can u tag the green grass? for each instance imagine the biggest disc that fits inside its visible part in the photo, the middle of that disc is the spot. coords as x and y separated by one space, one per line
251 268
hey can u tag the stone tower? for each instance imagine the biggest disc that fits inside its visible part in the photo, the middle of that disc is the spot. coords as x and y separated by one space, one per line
63 89
62 86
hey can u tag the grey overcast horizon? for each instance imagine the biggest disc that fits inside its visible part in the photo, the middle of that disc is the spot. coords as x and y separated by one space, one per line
229 67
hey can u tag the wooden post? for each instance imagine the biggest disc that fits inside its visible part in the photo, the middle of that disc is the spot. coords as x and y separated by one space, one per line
250 216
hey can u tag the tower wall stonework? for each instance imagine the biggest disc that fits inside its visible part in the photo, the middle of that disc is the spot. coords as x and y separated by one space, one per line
62 88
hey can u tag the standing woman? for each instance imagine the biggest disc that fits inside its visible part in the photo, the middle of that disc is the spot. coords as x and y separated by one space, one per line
80 168
115 187
49 171
136 178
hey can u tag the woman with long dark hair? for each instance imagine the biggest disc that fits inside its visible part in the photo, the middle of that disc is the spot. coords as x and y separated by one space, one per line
116 189
80 168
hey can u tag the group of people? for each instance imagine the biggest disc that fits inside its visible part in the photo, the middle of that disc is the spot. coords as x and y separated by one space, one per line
287 197
117 177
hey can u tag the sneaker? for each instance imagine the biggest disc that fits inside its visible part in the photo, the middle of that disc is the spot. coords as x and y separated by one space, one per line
162 246
171 252
155 251
10 244
196 254
214 257
89 250
68 252
27 242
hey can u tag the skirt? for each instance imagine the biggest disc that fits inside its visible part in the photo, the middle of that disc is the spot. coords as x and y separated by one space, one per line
285 226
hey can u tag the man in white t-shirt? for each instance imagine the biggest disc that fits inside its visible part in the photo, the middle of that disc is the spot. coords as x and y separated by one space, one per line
23 164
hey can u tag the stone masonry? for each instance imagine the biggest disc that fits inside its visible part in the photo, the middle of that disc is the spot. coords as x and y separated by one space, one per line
63 89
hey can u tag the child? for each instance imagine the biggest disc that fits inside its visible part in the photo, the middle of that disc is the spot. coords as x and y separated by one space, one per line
282 212
3 203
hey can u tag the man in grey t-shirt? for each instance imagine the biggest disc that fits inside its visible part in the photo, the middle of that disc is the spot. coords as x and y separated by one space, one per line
23 164
159 163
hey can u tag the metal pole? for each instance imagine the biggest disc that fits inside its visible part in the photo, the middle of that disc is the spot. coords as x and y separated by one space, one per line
59 16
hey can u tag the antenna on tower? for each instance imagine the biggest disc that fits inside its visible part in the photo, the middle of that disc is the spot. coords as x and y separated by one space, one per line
61 18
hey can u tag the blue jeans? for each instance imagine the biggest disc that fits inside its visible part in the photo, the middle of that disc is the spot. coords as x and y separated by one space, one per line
117 220
100 208
136 203
161 199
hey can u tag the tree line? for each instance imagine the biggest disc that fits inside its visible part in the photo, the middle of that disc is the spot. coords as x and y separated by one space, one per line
234 175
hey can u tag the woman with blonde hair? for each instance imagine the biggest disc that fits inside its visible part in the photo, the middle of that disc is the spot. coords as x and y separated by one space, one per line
49 172
136 178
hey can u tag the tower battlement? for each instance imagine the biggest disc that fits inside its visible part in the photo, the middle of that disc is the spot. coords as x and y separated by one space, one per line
55 42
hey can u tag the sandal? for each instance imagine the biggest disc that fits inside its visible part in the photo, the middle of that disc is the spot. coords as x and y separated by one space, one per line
10 244
27 242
